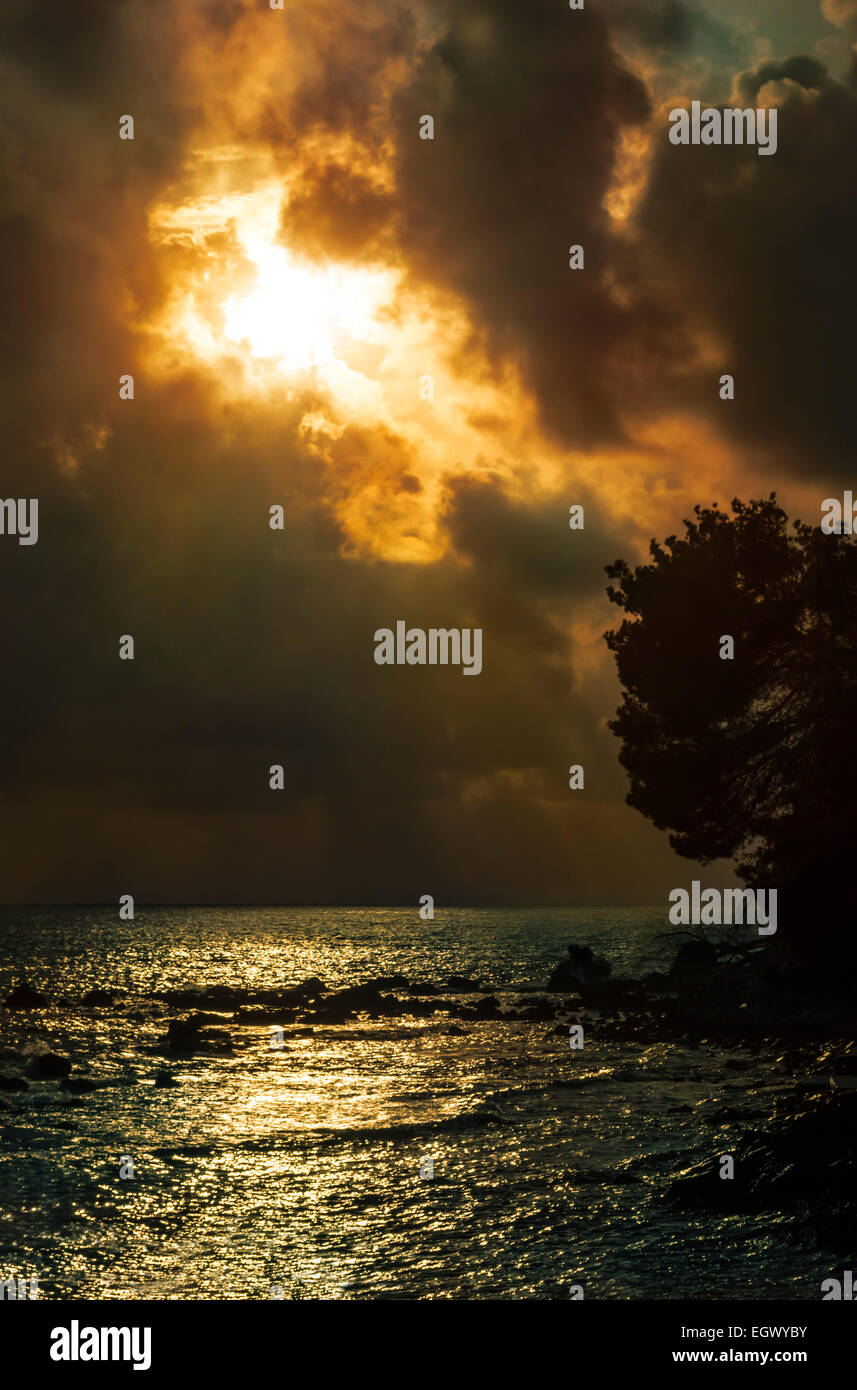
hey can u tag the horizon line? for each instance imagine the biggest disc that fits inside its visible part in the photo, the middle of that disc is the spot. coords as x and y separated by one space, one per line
498 907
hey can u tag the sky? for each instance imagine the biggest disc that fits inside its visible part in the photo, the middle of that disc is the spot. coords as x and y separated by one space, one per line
282 263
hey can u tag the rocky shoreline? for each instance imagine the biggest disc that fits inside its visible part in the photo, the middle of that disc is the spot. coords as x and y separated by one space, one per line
711 996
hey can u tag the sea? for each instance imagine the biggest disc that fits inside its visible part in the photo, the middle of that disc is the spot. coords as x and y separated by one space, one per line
394 1159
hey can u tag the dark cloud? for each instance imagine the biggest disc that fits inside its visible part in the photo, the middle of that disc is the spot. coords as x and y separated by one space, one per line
343 54
529 103
527 547
338 212
76 268
68 46
255 647
760 252
807 72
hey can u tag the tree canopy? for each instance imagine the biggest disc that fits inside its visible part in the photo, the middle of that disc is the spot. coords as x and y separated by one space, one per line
747 758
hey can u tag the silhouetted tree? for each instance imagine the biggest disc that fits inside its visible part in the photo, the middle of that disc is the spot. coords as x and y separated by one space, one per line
749 759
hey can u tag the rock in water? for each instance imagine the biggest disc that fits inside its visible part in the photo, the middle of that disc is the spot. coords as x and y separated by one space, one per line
581 968
183 1035
96 997
186 1035
48 1066
22 997
811 1154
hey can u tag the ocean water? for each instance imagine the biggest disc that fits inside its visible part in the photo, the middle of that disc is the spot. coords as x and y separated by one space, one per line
299 1168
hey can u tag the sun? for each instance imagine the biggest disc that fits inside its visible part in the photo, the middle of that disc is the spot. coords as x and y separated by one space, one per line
303 317
291 317
381 376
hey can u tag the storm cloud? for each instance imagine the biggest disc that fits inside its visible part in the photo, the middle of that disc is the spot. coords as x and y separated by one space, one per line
254 646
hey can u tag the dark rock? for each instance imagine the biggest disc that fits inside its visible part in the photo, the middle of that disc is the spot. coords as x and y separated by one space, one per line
390 1007
388 982
421 1008
330 1012
163 1078
462 985
657 982
606 994
582 967
262 1016
488 1007
359 999
455 1031
77 1084
190 1034
192 998
97 997
810 1155
22 997
48 1066
540 1011
13 1083
356 999
183 1035
227 999
694 957
562 977
310 989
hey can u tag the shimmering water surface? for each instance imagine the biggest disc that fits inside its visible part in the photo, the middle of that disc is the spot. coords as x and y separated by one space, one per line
301 1167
